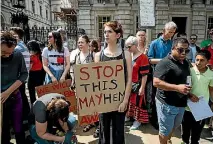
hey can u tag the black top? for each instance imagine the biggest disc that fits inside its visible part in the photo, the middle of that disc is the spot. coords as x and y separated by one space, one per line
12 68
173 72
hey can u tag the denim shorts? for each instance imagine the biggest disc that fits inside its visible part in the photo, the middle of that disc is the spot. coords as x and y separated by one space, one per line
169 117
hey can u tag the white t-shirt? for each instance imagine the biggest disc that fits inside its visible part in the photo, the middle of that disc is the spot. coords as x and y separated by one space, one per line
55 59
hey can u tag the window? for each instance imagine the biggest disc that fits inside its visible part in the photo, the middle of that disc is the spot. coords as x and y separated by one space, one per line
210 24
33 6
178 2
55 17
137 23
103 1
41 11
101 21
47 14
211 2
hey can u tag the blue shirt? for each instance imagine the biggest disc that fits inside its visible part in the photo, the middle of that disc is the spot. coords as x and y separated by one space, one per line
159 48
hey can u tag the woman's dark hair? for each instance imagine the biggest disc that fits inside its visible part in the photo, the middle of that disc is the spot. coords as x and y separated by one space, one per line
204 53
94 44
58 41
85 37
8 39
34 46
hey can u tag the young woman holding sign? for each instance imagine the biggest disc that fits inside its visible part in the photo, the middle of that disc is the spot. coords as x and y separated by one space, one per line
112 33
137 106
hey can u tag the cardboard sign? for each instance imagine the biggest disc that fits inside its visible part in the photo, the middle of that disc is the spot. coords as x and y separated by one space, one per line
100 87
89 119
61 88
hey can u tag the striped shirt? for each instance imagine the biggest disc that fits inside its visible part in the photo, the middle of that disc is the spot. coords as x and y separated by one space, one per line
21 47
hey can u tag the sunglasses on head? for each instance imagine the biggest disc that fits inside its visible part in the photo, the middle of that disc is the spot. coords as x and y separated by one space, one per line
181 50
9 42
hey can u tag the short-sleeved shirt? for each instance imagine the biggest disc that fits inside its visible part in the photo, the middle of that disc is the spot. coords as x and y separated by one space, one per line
159 48
140 67
172 72
210 49
35 62
56 59
40 106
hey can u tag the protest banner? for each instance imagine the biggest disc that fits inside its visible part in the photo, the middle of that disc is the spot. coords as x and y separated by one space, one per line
61 88
88 119
100 87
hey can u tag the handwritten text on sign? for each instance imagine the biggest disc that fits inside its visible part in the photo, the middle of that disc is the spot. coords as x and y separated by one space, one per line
100 87
61 88
147 14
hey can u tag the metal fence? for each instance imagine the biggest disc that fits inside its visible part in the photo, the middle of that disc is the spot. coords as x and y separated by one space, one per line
41 34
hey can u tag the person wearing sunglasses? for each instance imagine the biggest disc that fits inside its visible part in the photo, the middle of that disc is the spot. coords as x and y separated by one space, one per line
50 120
13 75
193 48
170 78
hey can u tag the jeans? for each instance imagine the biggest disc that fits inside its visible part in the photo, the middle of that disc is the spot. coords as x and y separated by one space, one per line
71 123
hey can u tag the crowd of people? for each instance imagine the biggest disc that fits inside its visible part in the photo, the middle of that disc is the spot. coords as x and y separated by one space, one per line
155 79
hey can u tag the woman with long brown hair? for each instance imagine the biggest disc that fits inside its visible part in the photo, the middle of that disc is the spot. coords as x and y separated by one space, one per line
55 58
112 33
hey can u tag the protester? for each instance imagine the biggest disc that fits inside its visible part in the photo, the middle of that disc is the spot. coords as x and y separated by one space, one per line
94 46
56 59
171 98
137 105
50 120
208 42
141 36
193 48
21 47
112 32
36 73
202 85
13 75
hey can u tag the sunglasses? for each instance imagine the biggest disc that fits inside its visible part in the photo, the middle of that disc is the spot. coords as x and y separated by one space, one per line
128 47
193 38
9 42
181 50
50 37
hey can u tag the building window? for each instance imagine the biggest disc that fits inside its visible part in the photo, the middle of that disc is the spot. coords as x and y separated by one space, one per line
211 2
210 24
137 23
47 14
41 11
55 17
101 21
103 1
33 6
178 2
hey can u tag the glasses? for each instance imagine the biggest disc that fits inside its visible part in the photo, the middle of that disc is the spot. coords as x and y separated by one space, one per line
181 50
193 38
128 47
49 37
9 42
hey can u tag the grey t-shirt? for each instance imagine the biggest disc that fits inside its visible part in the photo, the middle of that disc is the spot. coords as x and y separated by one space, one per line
40 106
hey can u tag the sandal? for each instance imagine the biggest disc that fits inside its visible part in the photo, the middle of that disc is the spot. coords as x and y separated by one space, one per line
96 133
88 127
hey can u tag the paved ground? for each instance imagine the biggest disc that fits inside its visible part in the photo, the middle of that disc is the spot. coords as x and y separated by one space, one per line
145 135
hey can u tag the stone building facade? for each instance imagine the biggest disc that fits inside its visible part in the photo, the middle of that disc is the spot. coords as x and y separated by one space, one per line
38 12
191 16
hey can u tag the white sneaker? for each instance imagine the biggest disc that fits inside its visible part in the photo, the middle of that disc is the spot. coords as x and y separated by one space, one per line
135 125
127 119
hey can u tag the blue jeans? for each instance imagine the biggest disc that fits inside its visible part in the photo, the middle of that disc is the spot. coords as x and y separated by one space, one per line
169 117
69 136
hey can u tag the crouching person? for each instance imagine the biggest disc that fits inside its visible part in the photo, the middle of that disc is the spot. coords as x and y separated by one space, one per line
50 121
